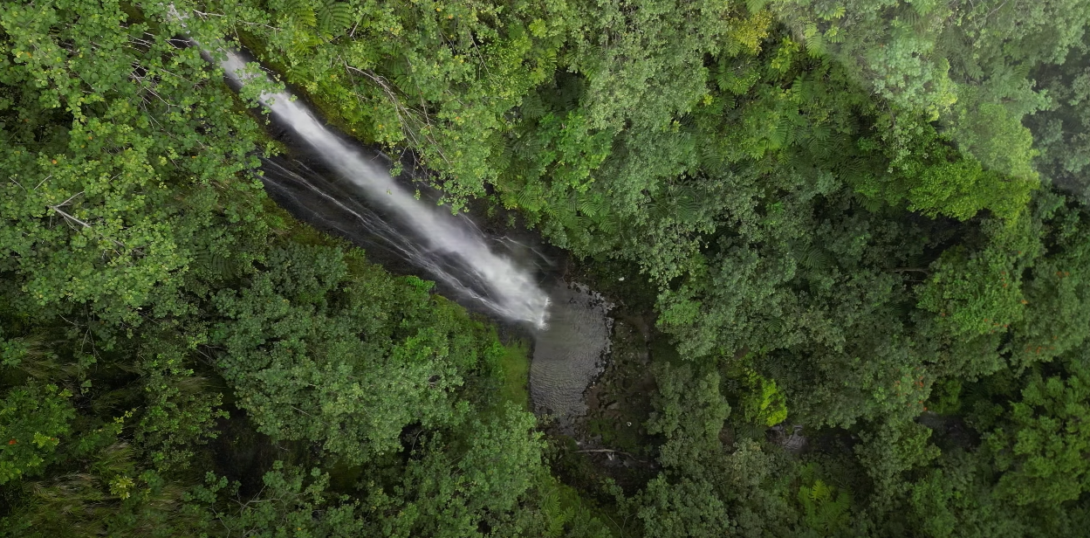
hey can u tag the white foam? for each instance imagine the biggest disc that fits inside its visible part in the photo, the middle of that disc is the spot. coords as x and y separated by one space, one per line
513 292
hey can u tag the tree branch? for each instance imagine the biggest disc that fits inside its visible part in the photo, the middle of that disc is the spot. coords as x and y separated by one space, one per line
71 218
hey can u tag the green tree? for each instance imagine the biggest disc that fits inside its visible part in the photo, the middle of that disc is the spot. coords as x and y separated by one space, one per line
32 421
689 412
888 451
687 508
344 359
967 63
1039 442
1059 131
764 403
292 503
826 508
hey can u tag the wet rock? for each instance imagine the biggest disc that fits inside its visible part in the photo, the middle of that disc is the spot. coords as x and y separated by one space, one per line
792 441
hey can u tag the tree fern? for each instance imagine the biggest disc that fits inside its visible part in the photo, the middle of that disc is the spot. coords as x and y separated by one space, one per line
571 221
333 17
532 106
531 198
300 12
919 16
753 6
779 132
689 204
609 224
659 209
911 18
590 206
573 205
826 508
817 139
215 265
811 256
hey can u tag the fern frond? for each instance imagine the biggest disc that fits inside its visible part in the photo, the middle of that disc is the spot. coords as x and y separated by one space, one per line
590 206
811 256
777 137
532 106
688 205
753 6
820 492
333 17
300 12
609 225
213 264
530 198
573 205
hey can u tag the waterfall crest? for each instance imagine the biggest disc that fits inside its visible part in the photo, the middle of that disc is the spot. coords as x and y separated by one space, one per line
453 250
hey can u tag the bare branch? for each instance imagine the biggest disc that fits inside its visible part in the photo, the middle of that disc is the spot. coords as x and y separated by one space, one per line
70 198
71 219
405 115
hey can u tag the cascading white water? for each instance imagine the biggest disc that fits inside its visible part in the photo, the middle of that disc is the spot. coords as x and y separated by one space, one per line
569 352
509 290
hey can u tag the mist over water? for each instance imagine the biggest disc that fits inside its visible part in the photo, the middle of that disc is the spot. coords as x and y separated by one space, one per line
448 247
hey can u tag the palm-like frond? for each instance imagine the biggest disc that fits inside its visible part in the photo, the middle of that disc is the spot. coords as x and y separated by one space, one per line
333 17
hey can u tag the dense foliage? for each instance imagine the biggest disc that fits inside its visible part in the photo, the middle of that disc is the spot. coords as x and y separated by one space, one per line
862 217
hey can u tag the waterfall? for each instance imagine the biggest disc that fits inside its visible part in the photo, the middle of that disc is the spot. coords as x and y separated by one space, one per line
454 251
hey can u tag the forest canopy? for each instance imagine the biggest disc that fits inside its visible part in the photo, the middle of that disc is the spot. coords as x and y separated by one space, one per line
856 230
